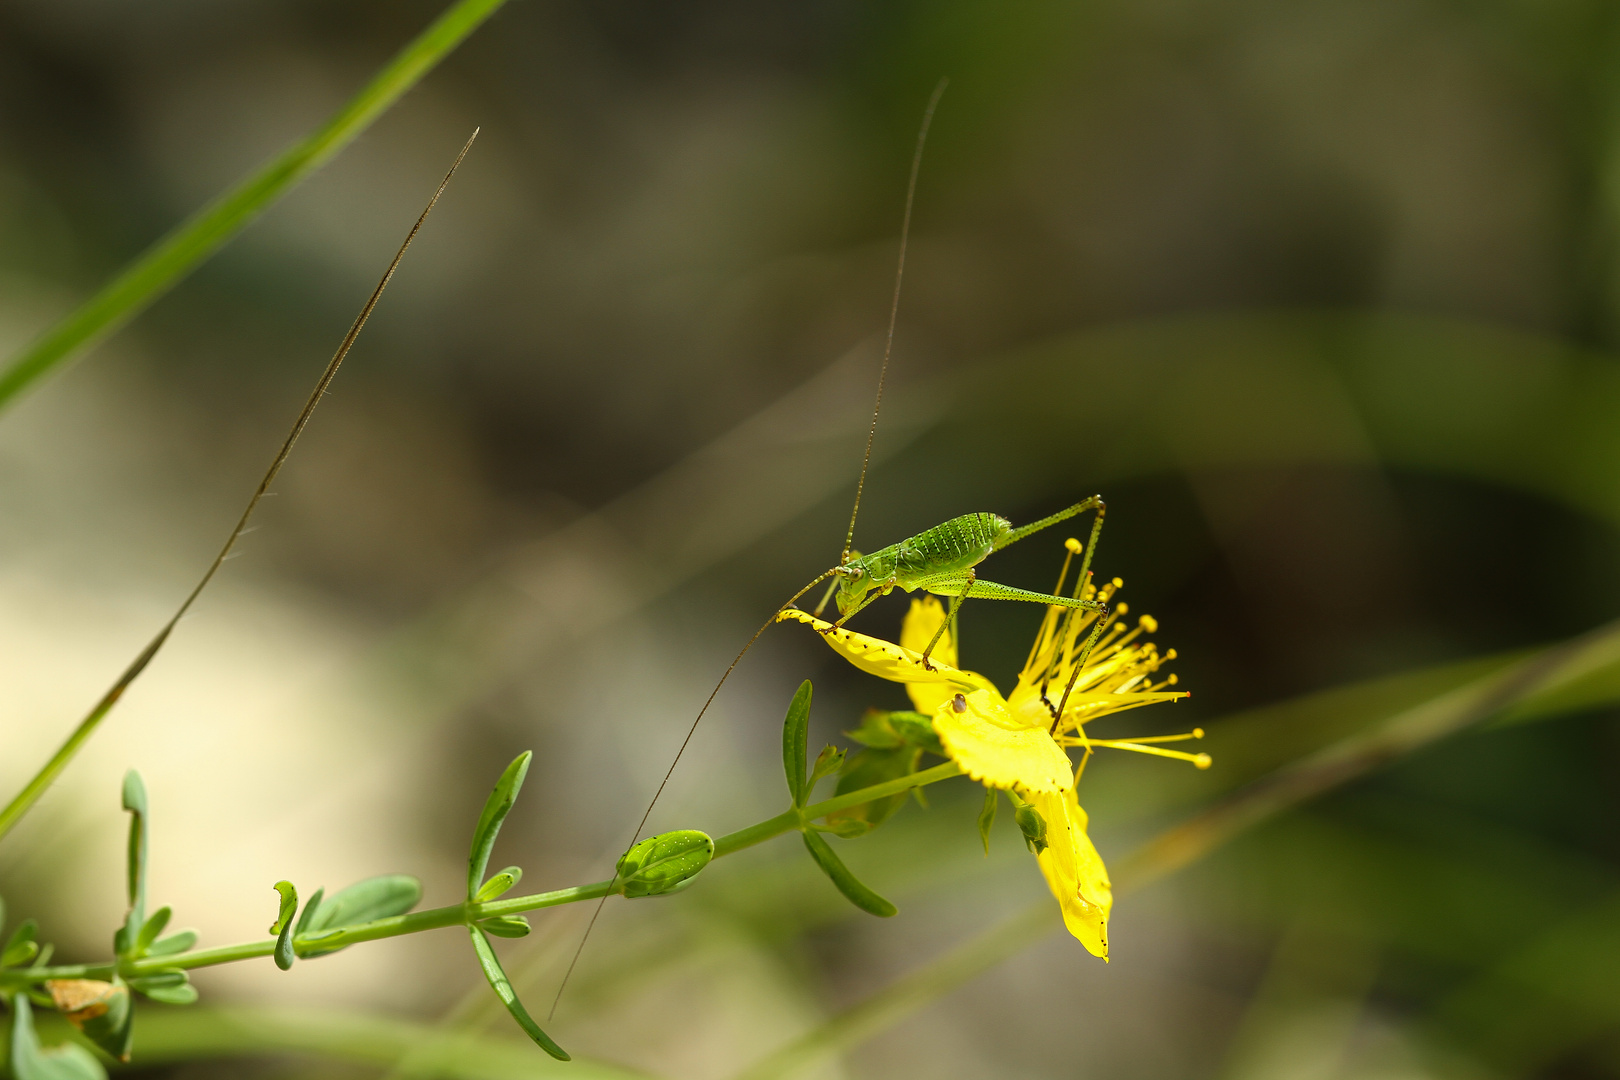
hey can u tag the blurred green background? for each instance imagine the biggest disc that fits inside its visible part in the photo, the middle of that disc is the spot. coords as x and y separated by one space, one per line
1323 297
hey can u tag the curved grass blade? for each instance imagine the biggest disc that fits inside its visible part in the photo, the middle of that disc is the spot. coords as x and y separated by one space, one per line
503 990
29 795
163 264
495 810
848 884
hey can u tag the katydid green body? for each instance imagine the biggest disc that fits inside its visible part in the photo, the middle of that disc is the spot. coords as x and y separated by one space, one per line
941 560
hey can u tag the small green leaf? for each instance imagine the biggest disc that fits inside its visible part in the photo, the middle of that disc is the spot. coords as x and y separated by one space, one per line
159 979
177 942
21 946
283 926
29 1061
499 884
987 817
876 731
795 735
503 990
887 730
306 918
829 761
174 995
855 892
664 863
151 928
495 810
365 901
917 729
381 897
171 986
134 800
507 926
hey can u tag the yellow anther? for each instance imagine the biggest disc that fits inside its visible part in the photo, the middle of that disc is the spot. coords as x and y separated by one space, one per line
1073 545
1171 655
1119 583
1123 608
1203 761
1147 622
1173 679
1198 733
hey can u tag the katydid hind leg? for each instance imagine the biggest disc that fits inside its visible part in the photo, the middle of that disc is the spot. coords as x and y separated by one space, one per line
953 584
1094 503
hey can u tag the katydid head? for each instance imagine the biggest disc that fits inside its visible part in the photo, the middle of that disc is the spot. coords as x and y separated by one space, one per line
854 580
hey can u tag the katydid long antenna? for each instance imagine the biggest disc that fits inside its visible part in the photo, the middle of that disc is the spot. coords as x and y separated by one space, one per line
849 537
43 779
894 310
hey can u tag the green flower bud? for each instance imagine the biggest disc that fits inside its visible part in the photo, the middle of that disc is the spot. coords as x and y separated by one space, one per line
1032 825
664 863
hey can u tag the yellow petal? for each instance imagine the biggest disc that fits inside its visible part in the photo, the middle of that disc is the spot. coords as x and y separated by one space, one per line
921 623
885 659
1074 870
994 748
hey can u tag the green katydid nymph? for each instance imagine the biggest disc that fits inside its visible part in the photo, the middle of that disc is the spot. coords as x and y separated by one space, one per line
941 560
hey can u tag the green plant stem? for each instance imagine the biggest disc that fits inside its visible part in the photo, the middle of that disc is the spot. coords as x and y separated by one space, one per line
163 264
462 914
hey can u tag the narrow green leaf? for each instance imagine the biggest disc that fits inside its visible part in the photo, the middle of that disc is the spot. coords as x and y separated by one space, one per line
177 942
306 918
664 863
499 884
134 799
495 810
151 928
855 892
283 926
194 240
173 995
987 817
379 897
171 986
21 946
29 1061
795 735
503 990
159 979
510 926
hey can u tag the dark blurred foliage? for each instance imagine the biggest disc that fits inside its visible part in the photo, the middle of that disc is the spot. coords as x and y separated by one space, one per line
680 214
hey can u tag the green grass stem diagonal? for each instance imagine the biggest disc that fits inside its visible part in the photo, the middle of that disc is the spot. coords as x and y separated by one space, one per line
171 258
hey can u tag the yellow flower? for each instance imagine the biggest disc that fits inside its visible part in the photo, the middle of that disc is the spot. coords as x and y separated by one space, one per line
1020 741
1074 870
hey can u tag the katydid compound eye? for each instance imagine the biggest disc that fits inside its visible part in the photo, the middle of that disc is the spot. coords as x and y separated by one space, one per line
959 703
